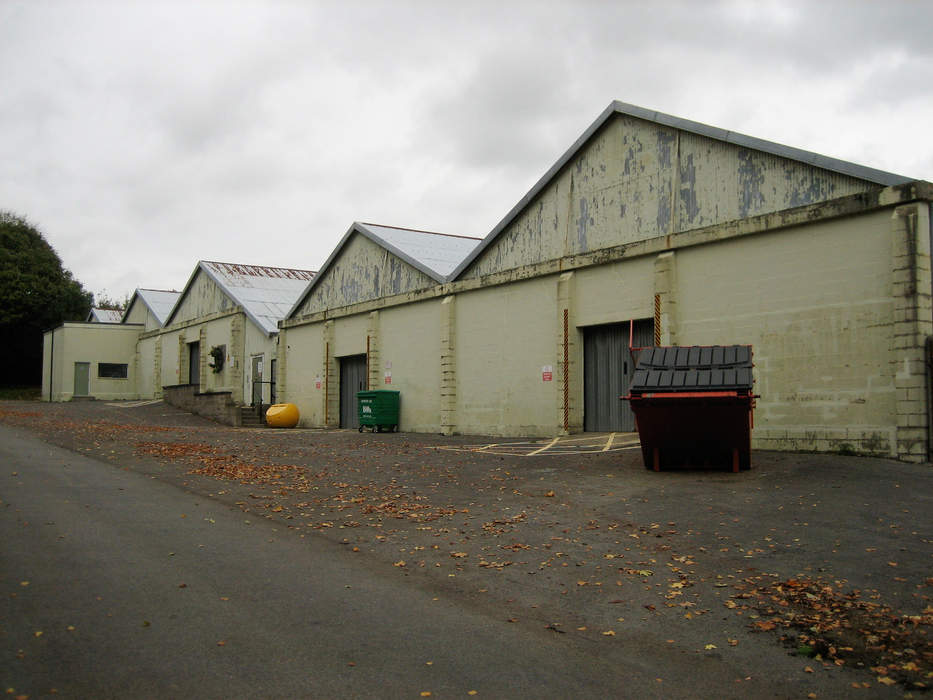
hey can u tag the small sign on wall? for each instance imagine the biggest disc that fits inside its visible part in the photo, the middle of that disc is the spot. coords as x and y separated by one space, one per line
547 373
317 382
388 376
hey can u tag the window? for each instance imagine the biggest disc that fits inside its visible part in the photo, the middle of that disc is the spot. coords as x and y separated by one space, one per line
111 370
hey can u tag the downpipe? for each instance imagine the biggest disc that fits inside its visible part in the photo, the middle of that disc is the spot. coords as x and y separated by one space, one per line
928 357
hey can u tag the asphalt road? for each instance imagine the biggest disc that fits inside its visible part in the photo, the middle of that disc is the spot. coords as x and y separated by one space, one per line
119 585
148 553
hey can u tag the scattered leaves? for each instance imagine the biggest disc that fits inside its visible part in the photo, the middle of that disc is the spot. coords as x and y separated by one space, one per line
822 621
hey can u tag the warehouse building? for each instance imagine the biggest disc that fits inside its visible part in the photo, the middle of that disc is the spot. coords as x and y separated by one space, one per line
650 229
210 348
218 348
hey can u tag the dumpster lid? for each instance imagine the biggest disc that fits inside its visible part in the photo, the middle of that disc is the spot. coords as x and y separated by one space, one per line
694 368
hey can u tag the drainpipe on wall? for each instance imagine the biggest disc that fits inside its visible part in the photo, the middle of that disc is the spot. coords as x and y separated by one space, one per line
929 364
929 376
51 364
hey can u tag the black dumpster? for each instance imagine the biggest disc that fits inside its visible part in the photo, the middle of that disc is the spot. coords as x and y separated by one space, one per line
693 406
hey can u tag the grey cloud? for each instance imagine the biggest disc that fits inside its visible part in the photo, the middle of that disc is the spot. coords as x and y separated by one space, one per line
173 131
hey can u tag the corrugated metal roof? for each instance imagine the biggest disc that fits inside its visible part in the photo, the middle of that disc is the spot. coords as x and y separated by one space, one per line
440 253
879 177
435 254
696 368
159 301
104 316
265 293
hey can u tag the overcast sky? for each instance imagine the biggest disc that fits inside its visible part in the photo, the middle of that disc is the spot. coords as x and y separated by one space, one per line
141 137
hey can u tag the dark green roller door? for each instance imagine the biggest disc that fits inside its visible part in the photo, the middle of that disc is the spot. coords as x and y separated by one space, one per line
607 373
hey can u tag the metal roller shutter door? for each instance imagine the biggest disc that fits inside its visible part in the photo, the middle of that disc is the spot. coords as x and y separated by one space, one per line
607 373
352 380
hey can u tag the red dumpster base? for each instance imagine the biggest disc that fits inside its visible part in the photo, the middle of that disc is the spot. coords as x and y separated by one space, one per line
702 429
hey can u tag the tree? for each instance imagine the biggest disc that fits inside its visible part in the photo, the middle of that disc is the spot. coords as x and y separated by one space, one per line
36 293
102 300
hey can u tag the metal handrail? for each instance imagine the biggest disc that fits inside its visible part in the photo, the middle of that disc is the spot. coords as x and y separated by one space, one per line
271 384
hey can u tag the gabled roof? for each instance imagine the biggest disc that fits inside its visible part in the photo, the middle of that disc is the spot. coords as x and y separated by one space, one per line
434 254
861 172
265 293
104 316
158 301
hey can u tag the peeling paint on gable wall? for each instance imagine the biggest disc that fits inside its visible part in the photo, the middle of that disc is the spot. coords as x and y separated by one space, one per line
636 180
363 271
204 297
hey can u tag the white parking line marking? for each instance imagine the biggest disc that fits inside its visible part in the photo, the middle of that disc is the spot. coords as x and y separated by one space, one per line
550 444
608 442
560 445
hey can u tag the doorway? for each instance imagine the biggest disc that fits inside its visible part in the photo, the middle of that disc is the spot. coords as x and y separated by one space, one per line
257 380
82 379
194 363
352 380
608 369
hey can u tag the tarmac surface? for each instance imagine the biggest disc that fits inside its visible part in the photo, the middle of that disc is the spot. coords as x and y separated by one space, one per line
806 576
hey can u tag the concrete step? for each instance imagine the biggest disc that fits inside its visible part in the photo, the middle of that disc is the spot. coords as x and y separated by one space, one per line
250 419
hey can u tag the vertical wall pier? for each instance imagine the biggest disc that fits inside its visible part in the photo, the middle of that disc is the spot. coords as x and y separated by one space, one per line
913 323
281 367
665 299
238 356
202 358
373 360
448 365
183 359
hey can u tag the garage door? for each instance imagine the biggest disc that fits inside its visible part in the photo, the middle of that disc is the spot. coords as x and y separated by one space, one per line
607 372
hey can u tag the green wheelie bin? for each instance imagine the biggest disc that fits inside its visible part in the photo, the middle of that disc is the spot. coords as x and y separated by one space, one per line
378 409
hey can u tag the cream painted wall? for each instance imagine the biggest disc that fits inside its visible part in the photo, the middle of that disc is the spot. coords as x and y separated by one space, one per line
816 304
145 368
170 367
350 336
140 313
93 343
304 372
218 333
409 338
614 293
504 336
238 365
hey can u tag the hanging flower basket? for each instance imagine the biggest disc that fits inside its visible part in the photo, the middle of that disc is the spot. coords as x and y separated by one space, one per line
216 358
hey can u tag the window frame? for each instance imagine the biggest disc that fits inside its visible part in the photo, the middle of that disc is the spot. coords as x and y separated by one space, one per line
115 367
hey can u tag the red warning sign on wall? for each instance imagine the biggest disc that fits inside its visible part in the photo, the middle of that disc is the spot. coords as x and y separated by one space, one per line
547 373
